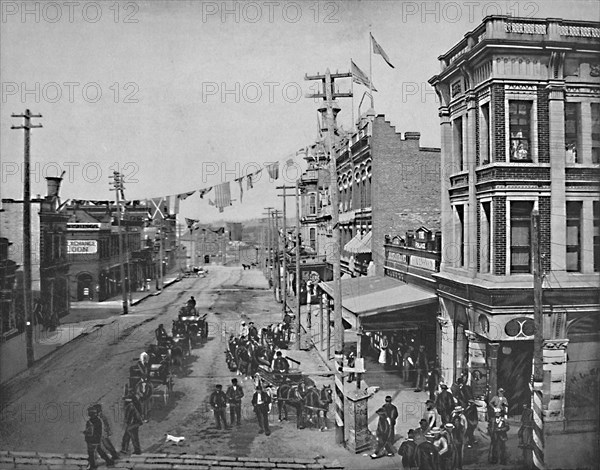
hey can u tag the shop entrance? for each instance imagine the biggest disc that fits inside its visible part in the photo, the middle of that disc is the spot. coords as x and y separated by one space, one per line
514 372
84 287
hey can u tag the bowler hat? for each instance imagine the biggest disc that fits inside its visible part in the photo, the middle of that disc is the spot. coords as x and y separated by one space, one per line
500 390
444 386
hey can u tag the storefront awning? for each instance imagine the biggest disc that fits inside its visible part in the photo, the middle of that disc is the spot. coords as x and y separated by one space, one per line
359 244
402 297
355 286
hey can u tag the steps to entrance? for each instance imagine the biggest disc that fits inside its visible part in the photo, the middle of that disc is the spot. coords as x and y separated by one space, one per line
49 461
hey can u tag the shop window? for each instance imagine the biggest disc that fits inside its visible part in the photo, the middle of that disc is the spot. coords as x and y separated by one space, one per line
520 123
313 238
486 237
484 134
520 236
596 236
457 126
574 236
595 132
572 132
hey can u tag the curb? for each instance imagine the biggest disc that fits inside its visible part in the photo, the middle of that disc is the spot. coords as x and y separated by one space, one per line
154 294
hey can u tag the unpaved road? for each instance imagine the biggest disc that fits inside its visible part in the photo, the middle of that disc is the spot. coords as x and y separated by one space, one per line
44 409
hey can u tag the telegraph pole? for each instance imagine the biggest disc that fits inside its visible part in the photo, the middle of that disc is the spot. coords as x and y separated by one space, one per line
269 240
118 189
329 110
285 196
275 213
27 304
298 336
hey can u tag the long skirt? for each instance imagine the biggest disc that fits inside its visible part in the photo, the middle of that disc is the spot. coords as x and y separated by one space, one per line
382 356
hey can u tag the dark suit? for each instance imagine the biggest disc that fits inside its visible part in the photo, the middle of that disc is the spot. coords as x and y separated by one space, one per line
234 397
218 402
392 412
408 450
427 457
262 410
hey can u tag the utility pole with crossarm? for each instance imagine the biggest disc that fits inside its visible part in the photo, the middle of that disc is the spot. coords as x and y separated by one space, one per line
119 188
329 110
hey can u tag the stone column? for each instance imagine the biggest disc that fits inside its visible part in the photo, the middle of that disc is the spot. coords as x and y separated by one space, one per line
471 208
447 169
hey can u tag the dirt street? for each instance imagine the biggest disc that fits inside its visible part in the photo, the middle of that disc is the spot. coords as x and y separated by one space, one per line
44 409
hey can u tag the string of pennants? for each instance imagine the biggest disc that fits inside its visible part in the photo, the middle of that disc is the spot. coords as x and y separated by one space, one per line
220 195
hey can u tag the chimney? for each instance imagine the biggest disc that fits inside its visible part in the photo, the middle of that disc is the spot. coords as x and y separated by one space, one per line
53 183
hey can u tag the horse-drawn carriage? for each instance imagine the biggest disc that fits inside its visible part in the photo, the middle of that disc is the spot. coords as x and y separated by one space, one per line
157 378
195 325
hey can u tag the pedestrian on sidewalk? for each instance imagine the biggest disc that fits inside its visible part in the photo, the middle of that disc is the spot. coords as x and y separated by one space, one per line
383 345
384 434
421 431
218 402
93 439
427 456
106 443
408 450
234 394
431 415
422 368
261 402
351 361
392 414
498 437
133 421
433 381
444 404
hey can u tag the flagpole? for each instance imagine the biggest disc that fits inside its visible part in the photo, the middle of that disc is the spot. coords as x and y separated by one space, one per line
371 68
352 92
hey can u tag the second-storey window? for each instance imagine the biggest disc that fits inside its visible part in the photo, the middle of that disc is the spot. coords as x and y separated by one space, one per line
484 134
458 143
520 130
520 236
572 132
574 236
596 210
595 132
312 204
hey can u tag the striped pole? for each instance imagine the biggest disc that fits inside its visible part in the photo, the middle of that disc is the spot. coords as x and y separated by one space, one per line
338 398
538 425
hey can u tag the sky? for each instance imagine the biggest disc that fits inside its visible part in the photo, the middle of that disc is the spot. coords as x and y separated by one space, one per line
183 95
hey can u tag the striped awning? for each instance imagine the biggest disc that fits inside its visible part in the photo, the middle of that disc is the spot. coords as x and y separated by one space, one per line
359 244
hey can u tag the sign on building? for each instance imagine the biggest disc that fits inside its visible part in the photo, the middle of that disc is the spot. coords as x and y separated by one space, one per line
82 247
83 226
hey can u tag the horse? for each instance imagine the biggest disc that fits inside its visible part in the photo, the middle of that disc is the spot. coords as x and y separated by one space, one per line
246 266
144 390
230 360
291 395
181 336
316 402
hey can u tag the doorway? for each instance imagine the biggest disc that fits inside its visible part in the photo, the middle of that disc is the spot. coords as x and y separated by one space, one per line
514 373
85 287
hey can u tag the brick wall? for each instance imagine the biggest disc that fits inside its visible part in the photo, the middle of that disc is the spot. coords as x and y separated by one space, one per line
478 254
477 130
499 216
545 231
543 113
405 186
498 114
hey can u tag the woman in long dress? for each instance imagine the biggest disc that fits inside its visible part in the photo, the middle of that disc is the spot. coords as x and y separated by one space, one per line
383 345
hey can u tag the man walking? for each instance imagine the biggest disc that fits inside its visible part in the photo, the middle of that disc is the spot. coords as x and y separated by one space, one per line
218 402
499 437
133 420
422 368
408 450
93 439
427 456
392 413
106 443
234 394
444 404
261 401
384 433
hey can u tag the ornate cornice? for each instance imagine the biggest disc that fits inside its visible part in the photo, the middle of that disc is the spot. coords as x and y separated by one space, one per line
555 344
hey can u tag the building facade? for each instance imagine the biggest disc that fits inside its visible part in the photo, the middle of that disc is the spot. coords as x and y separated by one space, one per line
520 131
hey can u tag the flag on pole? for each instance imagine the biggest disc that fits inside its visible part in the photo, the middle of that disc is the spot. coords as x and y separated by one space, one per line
377 49
223 195
358 76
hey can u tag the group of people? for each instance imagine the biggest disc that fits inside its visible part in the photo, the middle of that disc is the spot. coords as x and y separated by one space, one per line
97 433
232 398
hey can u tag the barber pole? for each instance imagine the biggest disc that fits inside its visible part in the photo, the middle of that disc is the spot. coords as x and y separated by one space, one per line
338 399
538 426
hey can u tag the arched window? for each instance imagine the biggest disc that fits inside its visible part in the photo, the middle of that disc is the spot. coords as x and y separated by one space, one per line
312 204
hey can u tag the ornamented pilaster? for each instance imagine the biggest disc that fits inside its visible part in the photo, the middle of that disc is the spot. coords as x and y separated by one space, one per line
555 366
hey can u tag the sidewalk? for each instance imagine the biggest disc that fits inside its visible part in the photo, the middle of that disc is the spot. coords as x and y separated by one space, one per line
84 317
380 381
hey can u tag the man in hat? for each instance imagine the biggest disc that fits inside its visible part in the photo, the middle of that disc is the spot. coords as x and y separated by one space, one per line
422 368
427 456
351 362
408 450
234 394
243 329
133 420
498 434
431 415
106 443
384 434
392 414
218 402
472 417
433 380
161 335
252 331
421 431
441 444
449 458
500 401
280 364
93 439
444 403
261 402
460 423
